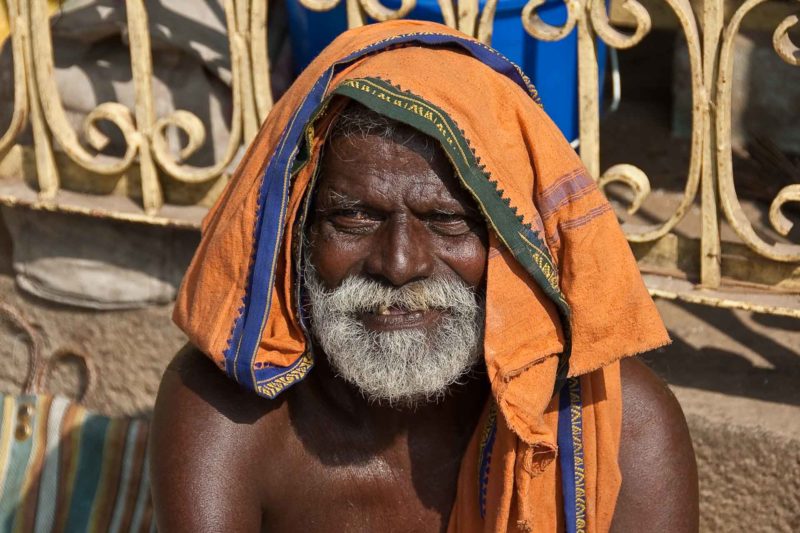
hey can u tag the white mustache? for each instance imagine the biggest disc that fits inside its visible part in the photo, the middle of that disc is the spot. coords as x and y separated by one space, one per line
356 295
401 367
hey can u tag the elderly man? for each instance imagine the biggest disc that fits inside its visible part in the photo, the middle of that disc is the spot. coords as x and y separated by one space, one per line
419 302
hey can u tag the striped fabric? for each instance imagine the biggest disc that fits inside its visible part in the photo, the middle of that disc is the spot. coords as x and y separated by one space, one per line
73 471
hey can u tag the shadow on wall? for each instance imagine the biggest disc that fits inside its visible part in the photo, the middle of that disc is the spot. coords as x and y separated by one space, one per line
747 356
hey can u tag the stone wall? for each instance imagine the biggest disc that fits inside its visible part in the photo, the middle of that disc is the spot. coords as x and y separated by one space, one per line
749 478
736 375
128 350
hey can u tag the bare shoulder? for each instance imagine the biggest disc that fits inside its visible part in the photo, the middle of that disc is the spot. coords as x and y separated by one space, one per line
659 475
207 437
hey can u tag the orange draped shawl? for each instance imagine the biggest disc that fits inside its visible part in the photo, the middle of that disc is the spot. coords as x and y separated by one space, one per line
563 293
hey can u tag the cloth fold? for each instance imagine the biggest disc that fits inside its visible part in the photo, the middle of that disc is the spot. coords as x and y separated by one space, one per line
563 294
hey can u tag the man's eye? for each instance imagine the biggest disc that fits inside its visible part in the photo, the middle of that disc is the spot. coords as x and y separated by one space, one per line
352 214
353 219
445 217
449 223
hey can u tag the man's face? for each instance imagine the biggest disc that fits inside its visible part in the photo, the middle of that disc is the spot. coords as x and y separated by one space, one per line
397 260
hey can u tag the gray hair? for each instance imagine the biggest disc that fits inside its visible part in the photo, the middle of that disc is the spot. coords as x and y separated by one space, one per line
356 121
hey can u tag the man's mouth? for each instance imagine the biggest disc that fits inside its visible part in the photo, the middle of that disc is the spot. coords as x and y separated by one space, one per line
394 310
387 318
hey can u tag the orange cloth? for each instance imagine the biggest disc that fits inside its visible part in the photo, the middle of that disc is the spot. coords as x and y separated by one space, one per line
581 254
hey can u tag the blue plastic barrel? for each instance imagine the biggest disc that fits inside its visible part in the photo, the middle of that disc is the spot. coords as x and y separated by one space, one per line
552 66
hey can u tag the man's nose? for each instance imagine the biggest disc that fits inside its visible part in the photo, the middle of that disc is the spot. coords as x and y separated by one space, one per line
402 253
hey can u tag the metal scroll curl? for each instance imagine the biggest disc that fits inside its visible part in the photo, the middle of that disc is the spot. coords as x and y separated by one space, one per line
782 224
631 176
727 190
611 35
786 49
118 115
19 36
319 5
56 117
595 19
540 29
646 233
381 13
193 127
373 8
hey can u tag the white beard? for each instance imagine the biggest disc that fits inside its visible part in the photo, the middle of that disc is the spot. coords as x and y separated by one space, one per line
405 366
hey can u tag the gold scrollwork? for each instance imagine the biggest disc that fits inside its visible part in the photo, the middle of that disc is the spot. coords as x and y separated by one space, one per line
631 176
786 49
194 128
540 29
651 232
612 36
54 111
778 251
19 36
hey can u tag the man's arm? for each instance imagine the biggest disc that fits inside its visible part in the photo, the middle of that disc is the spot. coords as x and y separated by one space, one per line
199 451
659 475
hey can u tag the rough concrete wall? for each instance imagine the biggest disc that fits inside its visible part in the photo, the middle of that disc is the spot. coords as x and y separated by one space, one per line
749 479
129 351
736 376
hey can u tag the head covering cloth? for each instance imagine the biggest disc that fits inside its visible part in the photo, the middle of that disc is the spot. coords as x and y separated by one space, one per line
564 297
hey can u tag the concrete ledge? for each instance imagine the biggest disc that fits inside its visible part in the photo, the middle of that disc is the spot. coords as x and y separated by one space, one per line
737 376
749 477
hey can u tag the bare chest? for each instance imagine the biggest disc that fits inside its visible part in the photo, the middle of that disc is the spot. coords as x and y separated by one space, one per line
340 481
372 497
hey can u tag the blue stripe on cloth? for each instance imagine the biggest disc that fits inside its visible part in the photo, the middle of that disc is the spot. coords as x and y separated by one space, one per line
485 458
273 198
570 451
90 454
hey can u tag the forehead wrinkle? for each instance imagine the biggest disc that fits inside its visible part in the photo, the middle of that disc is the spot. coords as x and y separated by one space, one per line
435 190
374 169
341 199
349 192
429 186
